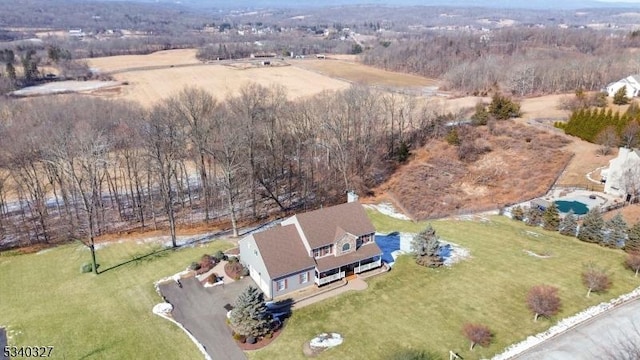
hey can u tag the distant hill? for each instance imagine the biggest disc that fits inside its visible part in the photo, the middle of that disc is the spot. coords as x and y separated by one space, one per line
531 4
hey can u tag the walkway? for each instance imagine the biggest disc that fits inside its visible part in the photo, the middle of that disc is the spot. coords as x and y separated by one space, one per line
593 339
201 311
356 284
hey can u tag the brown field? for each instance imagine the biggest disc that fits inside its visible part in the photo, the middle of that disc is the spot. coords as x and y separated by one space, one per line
522 164
160 58
150 86
362 74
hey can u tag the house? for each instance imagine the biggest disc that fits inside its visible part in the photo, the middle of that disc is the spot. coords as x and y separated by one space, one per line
311 249
622 178
631 82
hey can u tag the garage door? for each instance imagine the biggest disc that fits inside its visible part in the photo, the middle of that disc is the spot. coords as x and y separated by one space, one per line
259 281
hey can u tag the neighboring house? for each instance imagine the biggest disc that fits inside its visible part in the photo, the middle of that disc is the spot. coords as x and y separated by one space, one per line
622 178
311 249
631 82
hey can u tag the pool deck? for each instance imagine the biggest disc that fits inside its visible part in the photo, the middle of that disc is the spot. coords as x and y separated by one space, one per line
602 200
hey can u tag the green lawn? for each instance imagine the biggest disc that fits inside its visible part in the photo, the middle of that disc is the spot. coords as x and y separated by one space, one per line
422 308
45 300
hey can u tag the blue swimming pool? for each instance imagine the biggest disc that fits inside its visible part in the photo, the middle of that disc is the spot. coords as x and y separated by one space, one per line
577 207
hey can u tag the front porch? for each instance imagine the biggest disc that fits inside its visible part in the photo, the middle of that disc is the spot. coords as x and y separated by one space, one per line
341 272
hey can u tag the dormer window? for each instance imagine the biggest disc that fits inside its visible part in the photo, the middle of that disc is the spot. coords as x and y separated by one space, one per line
346 247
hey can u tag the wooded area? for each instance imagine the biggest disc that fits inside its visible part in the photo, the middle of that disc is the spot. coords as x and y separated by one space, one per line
78 167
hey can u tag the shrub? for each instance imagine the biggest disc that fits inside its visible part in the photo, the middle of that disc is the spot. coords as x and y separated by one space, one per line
219 256
86 268
233 259
543 300
477 334
244 272
194 266
206 263
503 108
269 335
212 279
251 339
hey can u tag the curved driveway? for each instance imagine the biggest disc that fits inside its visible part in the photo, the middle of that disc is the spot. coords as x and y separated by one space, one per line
201 311
594 339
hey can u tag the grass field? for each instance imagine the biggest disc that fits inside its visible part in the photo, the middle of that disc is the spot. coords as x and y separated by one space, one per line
421 308
45 300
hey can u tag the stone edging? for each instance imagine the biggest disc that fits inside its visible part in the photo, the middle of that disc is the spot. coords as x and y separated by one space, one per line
167 317
195 341
565 325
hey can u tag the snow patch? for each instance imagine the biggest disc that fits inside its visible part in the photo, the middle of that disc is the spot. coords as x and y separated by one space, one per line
387 209
566 324
326 341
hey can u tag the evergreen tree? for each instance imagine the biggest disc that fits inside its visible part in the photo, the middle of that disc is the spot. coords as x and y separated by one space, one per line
551 217
633 241
502 107
517 213
616 231
426 247
481 116
249 317
569 224
592 227
620 97
533 216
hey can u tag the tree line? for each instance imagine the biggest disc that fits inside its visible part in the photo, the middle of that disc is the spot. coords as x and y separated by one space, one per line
78 167
605 127
525 61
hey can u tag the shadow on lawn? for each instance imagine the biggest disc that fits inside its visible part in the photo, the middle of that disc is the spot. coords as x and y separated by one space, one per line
158 252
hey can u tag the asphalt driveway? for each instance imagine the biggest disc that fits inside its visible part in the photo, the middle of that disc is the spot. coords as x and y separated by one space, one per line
201 311
3 343
595 339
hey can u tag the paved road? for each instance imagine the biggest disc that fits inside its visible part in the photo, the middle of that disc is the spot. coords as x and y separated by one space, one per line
201 311
592 340
3 343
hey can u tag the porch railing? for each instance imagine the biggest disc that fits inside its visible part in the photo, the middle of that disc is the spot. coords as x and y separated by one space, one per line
368 266
330 278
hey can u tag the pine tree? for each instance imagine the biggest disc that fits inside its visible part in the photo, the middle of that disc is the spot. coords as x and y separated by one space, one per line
569 224
249 317
533 216
592 227
620 97
633 242
426 247
517 213
551 217
616 231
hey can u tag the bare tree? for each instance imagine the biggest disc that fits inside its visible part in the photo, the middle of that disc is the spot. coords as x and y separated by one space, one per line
229 150
633 262
477 334
165 143
543 300
195 109
607 138
630 134
595 279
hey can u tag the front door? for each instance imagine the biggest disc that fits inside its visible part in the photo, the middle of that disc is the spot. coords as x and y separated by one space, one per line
349 270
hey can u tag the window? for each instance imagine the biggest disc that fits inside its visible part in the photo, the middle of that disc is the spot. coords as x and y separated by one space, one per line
346 247
304 277
281 284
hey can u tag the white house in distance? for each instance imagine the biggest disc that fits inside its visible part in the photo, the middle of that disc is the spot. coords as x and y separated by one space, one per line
311 249
632 83
622 178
